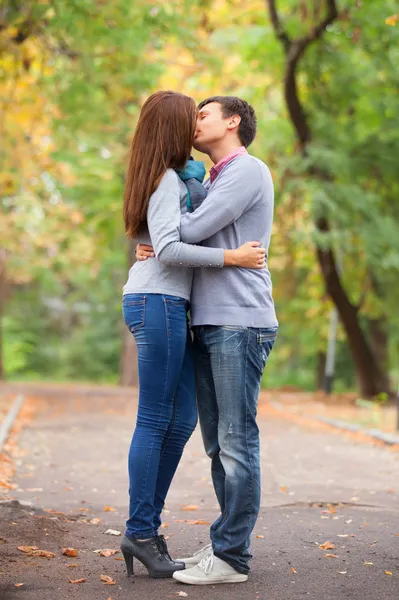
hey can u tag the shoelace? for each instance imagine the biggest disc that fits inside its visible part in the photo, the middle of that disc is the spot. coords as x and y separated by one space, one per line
164 546
201 550
206 563
158 546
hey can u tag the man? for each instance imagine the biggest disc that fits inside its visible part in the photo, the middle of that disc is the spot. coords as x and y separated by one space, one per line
235 326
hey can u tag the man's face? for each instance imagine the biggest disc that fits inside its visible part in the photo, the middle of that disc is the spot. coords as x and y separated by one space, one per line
211 127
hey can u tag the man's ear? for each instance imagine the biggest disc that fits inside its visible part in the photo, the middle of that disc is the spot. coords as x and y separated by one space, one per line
234 122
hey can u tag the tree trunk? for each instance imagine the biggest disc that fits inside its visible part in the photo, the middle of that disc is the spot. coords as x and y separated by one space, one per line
320 370
128 375
370 376
379 347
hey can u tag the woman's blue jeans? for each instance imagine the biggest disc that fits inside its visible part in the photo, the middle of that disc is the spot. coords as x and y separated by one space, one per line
167 412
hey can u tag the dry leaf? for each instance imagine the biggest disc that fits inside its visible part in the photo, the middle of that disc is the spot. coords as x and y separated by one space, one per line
109 508
343 535
70 552
42 553
8 486
368 563
284 489
342 572
82 580
182 594
19 584
72 565
260 537
119 558
53 512
388 572
330 556
95 521
108 552
27 549
189 507
107 580
164 526
327 546
3 540
293 570
113 532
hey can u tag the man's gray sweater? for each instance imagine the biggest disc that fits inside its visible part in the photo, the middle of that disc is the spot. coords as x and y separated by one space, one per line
238 209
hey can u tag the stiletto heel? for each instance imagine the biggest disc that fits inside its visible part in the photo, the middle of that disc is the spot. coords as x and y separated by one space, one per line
129 563
152 553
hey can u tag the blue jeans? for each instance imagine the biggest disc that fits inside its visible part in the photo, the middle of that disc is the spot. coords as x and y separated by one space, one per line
167 412
229 365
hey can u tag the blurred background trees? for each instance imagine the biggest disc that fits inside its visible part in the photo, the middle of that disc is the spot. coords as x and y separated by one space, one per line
323 78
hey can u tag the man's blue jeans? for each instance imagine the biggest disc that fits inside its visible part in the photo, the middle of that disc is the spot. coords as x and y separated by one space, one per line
229 366
167 412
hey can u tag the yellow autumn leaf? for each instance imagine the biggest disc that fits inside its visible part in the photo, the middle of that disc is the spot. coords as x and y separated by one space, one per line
327 546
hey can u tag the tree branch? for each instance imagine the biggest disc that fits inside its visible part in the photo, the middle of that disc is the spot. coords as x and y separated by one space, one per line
281 34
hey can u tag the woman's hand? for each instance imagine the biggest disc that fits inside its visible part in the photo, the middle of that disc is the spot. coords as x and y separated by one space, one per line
143 252
249 255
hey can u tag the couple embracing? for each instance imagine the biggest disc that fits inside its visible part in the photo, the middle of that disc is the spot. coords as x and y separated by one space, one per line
199 304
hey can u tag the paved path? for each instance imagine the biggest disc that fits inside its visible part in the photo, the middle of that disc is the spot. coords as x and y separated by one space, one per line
318 485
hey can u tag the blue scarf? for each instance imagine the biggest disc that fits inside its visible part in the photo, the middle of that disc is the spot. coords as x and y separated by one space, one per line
193 175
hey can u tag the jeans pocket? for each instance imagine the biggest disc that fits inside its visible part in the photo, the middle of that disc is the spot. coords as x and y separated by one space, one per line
134 312
176 300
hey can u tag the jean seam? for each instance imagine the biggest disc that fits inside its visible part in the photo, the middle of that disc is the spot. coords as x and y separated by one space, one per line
250 486
159 420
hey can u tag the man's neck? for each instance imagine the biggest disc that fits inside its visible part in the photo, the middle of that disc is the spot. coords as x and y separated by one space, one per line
223 149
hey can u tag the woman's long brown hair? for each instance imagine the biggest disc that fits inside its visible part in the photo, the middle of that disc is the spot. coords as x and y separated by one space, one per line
163 139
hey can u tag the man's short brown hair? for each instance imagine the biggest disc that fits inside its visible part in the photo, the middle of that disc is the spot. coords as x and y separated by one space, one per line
231 105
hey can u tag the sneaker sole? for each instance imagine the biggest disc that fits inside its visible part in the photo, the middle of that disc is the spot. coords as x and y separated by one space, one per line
239 578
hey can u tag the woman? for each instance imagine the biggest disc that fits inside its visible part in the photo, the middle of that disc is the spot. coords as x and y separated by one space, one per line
155 304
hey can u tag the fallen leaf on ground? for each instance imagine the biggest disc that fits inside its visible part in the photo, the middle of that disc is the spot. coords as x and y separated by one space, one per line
343 535
368 563
42 553
72 565
164 526
82 580
330 556
182 594
261 537
293 570
348 521
69 552
388 572
35 551
27 549
342 572
107 580
198 522
109 508
8 486
107 552
19 584
3 540
119 558
84 509
95 521
189 507
284 489
113 532
327 546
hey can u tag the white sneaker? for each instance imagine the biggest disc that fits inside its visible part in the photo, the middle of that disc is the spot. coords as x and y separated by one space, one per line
210 570
196 557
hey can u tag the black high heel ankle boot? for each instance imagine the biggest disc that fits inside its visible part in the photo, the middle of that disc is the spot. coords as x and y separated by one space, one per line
152 553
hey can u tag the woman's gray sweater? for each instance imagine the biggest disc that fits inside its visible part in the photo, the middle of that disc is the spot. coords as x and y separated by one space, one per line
171 272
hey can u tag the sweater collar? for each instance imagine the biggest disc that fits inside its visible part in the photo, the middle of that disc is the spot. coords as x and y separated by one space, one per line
216 169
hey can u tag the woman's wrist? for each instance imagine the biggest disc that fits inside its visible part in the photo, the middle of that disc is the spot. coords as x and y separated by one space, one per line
230 258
